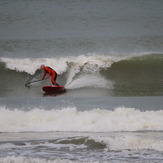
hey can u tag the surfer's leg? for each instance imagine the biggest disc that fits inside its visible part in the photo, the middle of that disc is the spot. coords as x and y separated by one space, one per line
53 79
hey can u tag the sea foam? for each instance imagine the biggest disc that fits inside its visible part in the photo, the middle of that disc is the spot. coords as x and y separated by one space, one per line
70 119
88 63
23 159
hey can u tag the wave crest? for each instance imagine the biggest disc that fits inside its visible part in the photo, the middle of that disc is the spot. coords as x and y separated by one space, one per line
88 63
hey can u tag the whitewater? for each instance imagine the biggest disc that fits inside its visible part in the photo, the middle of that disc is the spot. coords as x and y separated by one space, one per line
60 64
69 119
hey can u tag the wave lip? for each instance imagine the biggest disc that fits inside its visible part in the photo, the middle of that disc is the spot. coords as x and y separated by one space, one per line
30 65
89 63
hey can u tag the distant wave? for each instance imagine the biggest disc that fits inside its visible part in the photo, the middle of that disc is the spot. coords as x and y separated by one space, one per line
70 119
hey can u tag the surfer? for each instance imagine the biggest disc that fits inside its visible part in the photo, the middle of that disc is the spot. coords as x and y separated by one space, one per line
51 73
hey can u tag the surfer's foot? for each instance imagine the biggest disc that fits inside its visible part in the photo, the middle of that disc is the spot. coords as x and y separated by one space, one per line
55 85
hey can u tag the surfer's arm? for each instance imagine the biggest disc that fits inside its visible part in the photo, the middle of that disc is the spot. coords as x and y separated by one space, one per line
44 75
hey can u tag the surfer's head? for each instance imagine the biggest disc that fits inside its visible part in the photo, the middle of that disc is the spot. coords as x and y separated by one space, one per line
42 66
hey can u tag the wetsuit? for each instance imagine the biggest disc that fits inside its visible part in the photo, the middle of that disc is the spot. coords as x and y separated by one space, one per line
51 73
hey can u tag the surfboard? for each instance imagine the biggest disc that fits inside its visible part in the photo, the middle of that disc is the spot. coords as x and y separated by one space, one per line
53 89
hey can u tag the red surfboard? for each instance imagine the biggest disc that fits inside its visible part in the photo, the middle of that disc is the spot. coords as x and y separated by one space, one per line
53 89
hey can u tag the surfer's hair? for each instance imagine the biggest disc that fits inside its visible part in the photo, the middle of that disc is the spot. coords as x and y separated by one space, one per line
42 66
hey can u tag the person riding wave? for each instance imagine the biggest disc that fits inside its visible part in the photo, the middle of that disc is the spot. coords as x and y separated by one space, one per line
51 72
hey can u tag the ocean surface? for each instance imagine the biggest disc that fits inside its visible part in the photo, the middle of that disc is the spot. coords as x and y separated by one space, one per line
109 56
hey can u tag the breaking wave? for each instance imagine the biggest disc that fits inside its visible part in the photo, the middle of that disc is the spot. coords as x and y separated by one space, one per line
70 119
139 75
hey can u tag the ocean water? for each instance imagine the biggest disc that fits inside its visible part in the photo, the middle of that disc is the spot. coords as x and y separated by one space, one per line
109 56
